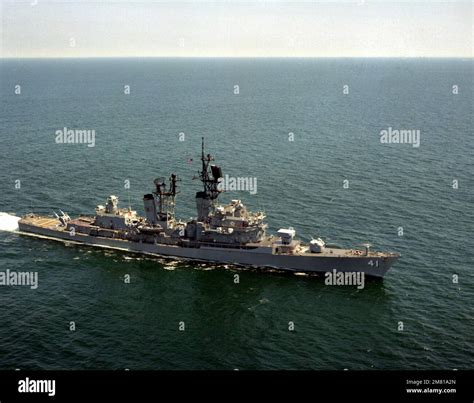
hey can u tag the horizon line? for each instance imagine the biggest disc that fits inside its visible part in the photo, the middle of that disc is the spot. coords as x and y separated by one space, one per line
235 57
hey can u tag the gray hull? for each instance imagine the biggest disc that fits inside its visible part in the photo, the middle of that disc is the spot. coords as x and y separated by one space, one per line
262 257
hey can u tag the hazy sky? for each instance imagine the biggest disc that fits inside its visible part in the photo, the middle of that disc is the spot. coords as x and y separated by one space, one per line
236 28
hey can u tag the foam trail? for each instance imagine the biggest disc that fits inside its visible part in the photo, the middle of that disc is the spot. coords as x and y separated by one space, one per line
8 222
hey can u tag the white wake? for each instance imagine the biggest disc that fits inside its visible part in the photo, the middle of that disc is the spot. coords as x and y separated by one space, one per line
8 222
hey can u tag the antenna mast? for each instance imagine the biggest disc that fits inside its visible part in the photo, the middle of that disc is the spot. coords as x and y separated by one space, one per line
166 198
209 175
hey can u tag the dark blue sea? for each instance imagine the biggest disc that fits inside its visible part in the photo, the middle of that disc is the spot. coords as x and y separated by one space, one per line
419 317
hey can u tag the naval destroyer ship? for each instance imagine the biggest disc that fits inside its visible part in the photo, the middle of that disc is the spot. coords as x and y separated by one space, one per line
228 234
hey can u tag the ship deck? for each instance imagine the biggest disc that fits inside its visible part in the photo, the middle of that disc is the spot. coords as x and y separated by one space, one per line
54 224
41 221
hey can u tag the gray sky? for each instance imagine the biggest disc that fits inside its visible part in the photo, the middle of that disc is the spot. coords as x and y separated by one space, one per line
236 28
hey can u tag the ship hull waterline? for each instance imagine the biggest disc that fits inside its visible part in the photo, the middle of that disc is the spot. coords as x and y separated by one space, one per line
372 266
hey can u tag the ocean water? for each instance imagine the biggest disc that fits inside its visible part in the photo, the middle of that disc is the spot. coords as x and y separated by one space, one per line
300 184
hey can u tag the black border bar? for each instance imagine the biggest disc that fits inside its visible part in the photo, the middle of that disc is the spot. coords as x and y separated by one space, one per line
241 385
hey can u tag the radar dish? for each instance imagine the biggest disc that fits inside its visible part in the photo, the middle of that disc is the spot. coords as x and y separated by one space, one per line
159 181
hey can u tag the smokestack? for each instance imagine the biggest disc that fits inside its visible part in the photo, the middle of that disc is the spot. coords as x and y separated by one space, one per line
203 206
149 204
